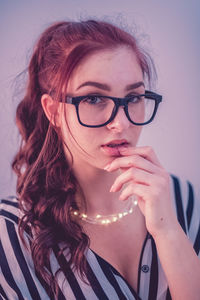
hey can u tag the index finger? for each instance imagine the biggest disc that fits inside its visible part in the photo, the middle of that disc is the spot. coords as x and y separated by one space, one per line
146 152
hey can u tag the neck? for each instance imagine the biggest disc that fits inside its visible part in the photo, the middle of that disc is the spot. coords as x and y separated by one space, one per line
96 184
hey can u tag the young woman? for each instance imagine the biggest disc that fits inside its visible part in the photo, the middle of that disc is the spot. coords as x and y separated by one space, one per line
95 215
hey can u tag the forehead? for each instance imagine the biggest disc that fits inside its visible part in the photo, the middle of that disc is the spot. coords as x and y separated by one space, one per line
113 67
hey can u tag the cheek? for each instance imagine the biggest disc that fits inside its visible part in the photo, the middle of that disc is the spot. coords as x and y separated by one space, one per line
73 132
69 123
69 119
137 112
142 112
137 130
135 134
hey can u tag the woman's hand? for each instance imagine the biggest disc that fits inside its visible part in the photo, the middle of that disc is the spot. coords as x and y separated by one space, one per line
147 179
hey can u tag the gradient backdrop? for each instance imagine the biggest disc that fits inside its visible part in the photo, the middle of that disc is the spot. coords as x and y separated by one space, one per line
169 29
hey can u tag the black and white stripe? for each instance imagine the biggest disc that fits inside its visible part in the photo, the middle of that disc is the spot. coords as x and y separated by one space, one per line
19 281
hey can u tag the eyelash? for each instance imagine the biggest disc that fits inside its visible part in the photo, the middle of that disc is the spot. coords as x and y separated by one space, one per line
103 95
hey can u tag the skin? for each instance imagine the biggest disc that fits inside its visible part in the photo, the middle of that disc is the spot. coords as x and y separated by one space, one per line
106 67
135 171
110 68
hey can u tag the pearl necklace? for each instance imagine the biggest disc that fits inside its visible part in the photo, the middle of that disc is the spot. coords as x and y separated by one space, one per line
103 220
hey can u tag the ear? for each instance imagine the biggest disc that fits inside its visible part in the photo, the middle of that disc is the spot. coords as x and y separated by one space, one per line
51 109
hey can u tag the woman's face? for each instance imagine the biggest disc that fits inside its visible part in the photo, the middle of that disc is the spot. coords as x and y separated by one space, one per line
109 73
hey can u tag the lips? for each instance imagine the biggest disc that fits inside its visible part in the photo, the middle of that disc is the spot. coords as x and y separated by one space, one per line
116 143
113 147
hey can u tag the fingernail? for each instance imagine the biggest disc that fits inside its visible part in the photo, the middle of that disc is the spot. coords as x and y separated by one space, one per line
106 168
112 189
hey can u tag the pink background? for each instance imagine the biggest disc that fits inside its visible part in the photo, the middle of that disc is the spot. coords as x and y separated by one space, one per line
169 29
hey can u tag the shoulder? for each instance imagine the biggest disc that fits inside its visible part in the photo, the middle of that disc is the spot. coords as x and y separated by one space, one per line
10 215
186 200
17 274
9 209
11 246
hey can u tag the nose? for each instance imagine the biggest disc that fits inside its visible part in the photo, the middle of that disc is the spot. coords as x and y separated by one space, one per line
120 122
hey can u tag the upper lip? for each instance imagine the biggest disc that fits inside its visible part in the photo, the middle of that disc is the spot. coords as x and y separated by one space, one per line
116 142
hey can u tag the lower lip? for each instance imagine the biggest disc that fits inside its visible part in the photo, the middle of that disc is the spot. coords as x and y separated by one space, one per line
113 151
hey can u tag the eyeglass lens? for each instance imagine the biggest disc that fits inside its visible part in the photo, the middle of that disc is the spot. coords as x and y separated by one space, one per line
98 110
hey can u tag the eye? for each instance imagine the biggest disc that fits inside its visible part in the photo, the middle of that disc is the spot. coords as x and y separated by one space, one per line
135 98
93 100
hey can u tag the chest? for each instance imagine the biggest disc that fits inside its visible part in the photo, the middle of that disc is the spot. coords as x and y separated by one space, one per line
121 247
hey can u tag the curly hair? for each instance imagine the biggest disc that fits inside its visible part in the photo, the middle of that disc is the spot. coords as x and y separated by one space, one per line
46 185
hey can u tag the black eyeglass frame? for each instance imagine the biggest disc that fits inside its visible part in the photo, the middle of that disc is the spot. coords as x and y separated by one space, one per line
118 102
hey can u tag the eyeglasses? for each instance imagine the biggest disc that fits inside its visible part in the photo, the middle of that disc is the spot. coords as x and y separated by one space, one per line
98 111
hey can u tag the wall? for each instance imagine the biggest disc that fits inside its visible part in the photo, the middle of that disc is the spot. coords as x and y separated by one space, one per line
169 29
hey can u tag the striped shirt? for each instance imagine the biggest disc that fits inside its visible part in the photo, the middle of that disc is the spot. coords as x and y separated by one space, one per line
18 279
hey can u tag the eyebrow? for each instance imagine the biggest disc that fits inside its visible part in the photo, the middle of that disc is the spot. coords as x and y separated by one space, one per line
105 87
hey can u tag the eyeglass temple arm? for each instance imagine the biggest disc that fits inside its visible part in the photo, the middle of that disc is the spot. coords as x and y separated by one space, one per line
154 95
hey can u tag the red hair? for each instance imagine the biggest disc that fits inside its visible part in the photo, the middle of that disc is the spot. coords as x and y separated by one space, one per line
46 185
